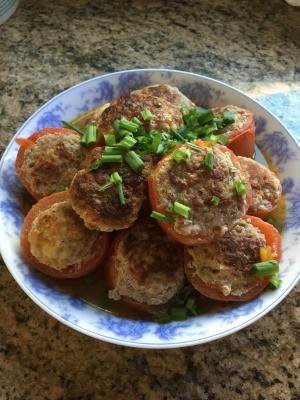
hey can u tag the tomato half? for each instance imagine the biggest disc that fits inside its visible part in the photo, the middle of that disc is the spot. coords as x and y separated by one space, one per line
27 144
213 289
97 254
168 228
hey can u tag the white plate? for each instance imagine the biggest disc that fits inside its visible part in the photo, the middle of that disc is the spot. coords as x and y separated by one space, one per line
272 136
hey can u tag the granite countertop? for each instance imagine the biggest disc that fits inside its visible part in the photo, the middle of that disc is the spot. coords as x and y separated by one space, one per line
46 47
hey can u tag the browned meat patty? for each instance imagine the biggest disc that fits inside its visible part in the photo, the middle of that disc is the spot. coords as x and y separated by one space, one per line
169 93
266 187
102 210
145 265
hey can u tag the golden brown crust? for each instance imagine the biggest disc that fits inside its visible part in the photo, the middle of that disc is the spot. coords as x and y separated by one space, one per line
102 210
266 187
148 264
166 115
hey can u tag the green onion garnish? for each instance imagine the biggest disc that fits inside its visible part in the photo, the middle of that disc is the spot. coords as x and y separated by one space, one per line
270 267
115 177
107 185
74 127
161 217
181 209
128 125
90 136
135 120
147 115
240 187
178 313
205 117
110 140
95 165
275 282
222 139
215 200
271 220
209 161
127 142
111 158
134 161
228 117
113 151
180 155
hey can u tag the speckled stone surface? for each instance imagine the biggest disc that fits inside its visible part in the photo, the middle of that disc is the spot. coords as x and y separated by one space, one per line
46 47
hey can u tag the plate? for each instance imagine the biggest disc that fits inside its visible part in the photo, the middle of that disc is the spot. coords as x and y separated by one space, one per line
271 136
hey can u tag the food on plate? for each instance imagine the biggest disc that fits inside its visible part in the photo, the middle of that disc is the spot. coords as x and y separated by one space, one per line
240 131
169 93
266 187
153 153
161 114
202 196
96 198
145 266
48 160
55 241
223 270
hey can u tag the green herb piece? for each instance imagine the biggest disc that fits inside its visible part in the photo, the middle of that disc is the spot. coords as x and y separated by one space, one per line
110 140
127 142
106 186
213 139
191 305
95 165
270 267
115 177
74 127
147 115
205 117
136 121
209 161
271 220
134 161
215 200
161 217
240 187
178 313
114 151
90 136
228 117
179 155
128 125
222 139
112 158
275 282
181 209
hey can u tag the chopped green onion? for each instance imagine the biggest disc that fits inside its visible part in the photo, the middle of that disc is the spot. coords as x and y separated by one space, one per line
90 136
191 305
147 115
178 313
275 282
205 117
95 165
222 139
213 139
113 151
178 136
181 209
180 155
135 120
161 217
271 220
194 146
120 193
215 200
116 178
128 125
209 161
111 158
106 186
74 127
228 117
110 140
116 125
240 187
134 161
232 168
164 319
206 130
270 267
127 142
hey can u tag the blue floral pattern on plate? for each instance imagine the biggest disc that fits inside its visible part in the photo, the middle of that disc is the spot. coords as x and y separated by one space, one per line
272 137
